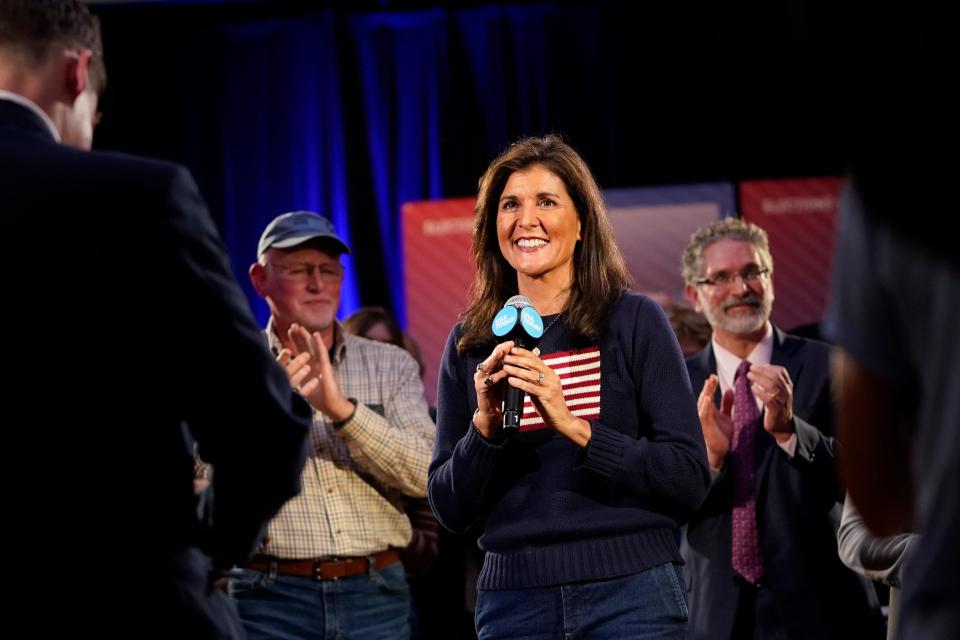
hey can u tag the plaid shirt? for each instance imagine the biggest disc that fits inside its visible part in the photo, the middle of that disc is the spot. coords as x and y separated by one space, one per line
353 481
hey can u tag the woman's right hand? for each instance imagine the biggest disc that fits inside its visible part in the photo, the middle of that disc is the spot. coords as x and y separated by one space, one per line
488 381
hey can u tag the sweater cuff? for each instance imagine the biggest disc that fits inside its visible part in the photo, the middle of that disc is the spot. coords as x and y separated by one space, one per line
604 452
476 447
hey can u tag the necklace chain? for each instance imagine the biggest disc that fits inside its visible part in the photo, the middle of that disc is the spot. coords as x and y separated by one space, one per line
536 350
552 322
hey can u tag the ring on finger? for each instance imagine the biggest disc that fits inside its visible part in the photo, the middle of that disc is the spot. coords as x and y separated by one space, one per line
480 368
540 378
487 381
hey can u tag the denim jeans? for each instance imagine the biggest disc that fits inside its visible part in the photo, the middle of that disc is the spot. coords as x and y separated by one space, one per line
372 606
649 604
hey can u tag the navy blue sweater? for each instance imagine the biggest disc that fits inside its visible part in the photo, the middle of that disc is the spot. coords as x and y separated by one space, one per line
553 512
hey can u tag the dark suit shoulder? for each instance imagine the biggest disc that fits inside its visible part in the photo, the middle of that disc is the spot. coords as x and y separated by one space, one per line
27 148
808 347
121 170
796 352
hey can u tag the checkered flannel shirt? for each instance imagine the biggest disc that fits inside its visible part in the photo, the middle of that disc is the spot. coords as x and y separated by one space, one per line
355 475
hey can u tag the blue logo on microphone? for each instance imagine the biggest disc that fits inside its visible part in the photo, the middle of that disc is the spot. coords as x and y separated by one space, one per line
505 321
531 321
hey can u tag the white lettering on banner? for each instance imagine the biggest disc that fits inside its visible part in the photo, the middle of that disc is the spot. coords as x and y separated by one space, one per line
799 204
447 226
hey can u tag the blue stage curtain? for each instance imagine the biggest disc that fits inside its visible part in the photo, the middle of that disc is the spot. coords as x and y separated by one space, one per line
297 88
284 148
353 111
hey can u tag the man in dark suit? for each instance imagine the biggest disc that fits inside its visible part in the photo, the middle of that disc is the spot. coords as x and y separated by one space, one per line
127 340
761 551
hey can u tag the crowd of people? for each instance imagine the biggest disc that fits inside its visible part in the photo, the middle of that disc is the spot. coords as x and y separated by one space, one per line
676 472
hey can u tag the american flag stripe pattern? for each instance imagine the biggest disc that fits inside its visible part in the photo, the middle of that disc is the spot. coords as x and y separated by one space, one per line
579 372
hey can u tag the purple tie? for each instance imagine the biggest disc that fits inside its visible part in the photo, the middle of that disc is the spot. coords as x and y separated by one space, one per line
746 423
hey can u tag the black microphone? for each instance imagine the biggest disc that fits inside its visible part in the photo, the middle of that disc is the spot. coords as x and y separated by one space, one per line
520 322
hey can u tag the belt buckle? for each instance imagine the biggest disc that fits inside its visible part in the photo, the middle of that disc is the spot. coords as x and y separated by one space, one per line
337 569
318 570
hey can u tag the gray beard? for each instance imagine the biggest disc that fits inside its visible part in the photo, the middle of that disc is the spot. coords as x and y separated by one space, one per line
744 323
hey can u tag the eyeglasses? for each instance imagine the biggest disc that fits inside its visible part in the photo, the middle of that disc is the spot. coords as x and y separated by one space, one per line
750 276
302 272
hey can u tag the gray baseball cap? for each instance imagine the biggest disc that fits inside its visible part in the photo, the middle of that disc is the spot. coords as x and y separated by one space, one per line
290 229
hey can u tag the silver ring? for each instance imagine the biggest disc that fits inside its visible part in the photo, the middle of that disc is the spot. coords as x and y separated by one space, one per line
487 381
480 368
540 378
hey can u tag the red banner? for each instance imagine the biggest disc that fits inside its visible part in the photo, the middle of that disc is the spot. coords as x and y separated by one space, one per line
438 274
799 216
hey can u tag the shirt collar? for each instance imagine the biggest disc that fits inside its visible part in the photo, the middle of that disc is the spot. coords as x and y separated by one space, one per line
32 106
727 362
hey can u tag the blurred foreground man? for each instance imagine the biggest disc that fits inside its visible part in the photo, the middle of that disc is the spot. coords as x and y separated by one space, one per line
127 340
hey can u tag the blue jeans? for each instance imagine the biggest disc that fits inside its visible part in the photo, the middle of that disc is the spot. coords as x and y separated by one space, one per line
372 606
649 604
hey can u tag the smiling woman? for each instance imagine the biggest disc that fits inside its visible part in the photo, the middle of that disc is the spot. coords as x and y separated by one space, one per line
538 228
579 505
527 193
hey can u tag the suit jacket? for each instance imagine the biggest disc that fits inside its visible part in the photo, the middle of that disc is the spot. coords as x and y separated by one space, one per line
128 338
798 509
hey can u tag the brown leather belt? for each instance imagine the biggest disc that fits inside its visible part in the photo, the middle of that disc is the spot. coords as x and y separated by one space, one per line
324 569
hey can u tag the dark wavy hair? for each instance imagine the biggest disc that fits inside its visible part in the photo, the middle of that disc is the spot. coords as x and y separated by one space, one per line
600 273
34 27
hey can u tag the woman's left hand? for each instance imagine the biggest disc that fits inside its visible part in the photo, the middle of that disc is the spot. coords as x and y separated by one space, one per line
529 373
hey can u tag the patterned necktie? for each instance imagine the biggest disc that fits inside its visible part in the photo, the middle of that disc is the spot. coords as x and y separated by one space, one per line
746 423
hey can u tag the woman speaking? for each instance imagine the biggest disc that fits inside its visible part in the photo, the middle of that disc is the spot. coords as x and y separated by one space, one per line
578 506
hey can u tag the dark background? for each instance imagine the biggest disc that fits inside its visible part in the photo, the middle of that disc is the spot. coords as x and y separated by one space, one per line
353 108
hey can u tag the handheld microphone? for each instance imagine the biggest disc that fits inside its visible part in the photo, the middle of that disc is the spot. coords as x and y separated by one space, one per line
520 322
